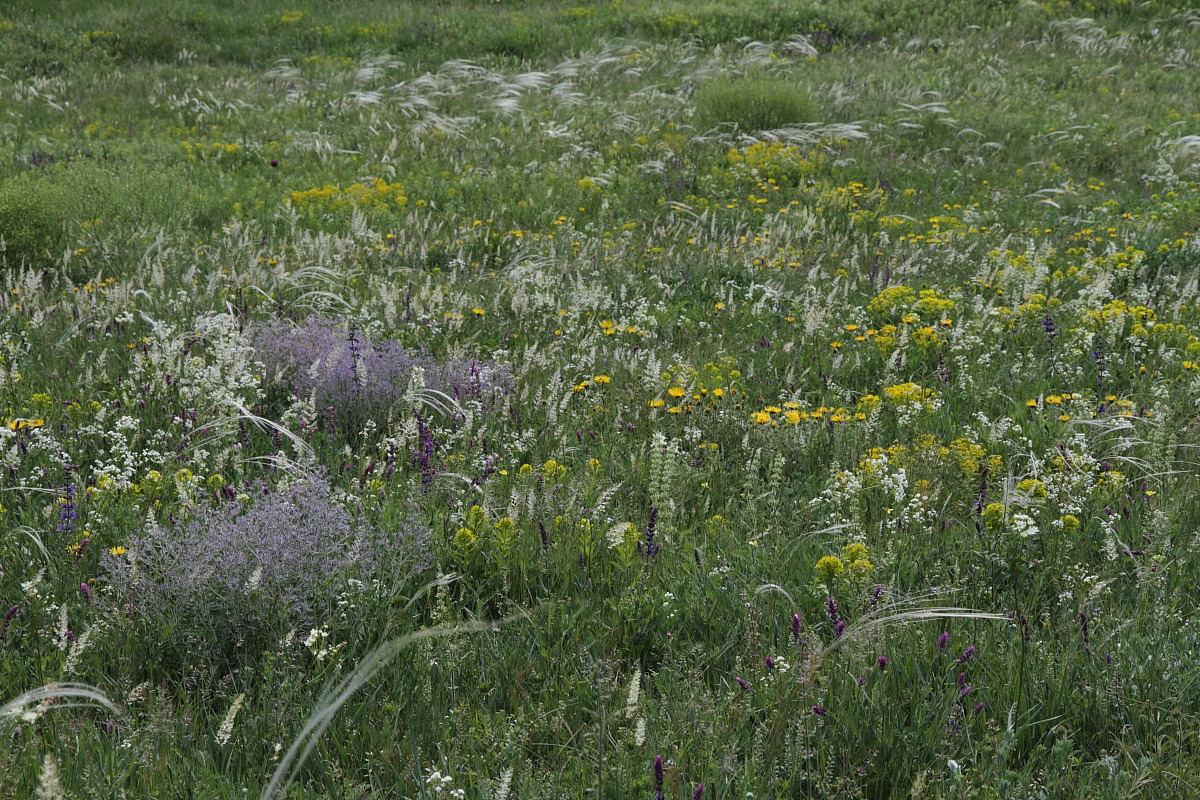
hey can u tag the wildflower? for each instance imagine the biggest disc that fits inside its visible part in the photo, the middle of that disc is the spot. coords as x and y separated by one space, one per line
769 662
742 683
301 539
66 510
658 778
819 710
829 568
225 732
699 793
797 623
882 662
8 617
968 655
943 640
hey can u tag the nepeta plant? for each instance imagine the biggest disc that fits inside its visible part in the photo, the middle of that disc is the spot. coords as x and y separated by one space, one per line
239 569
348 370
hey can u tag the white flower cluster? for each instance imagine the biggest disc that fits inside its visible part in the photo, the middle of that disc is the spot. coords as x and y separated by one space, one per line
439 784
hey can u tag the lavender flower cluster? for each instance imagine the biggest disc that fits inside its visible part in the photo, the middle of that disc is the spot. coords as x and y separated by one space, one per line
347 369
282 558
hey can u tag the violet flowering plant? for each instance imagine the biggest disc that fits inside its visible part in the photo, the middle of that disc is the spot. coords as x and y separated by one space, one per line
234 569
347 369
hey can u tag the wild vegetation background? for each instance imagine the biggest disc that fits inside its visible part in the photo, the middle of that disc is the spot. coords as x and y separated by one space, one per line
599 399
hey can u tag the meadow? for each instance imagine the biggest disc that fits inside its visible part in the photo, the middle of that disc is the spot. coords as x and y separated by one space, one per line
600 399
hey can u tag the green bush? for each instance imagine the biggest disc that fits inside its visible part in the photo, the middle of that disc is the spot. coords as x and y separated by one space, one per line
31 225
755 103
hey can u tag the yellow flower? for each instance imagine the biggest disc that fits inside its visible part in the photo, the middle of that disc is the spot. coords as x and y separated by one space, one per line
829 568
117 551
657 402
676 391
855 551
762 417
602 379
479 312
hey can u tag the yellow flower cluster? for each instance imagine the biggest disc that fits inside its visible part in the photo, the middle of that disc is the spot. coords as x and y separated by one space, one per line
377 194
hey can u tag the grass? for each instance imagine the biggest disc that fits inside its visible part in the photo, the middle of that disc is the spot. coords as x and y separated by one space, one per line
802 393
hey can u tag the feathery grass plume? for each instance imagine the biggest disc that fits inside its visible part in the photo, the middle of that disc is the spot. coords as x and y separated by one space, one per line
337 695
59 696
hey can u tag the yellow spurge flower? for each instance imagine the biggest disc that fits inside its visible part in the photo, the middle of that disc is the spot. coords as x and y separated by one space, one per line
830 568
855 551
861 567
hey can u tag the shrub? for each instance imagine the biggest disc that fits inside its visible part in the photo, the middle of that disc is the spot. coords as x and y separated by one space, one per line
30 224
753 103
234 573
348 370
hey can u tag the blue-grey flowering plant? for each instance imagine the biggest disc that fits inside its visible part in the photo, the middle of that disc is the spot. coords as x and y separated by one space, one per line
235 570
349 370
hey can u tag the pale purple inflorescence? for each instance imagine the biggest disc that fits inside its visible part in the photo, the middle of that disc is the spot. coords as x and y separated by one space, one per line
283 555
346 368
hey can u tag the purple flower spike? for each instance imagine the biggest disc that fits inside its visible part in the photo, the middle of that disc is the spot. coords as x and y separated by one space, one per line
979 708
797 624
968 655
742 683
943 640
12 612
882 662
85 590
819 710
839 629
658 777
769 662
696 795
